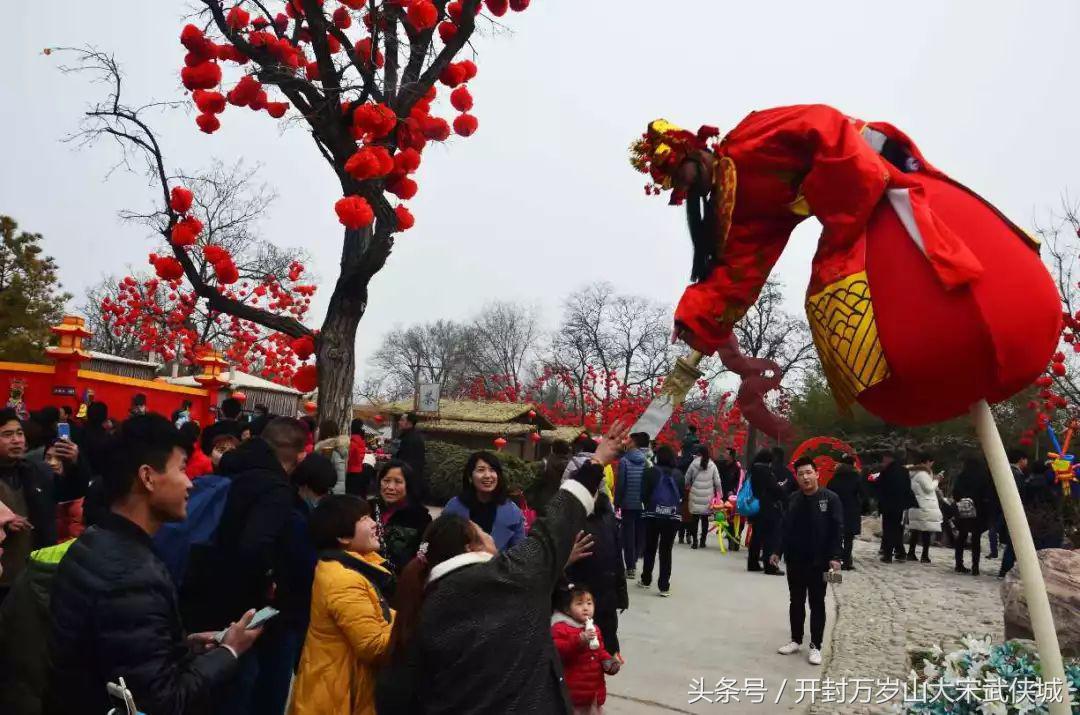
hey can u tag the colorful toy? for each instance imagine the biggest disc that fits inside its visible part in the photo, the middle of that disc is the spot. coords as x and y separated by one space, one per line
1064 470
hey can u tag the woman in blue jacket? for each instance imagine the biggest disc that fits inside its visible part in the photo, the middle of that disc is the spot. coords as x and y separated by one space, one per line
484 501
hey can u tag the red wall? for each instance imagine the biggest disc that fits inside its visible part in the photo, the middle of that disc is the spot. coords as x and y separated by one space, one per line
113 390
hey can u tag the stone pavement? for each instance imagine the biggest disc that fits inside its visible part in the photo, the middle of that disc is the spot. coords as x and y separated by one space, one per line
886 610
723 622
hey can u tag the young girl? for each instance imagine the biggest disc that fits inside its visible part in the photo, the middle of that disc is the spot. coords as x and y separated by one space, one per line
581 649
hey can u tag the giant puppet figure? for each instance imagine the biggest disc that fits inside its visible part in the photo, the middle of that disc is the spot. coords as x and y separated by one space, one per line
924 300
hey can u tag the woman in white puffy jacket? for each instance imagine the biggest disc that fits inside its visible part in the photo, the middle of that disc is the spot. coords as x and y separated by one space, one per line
925 519
703 480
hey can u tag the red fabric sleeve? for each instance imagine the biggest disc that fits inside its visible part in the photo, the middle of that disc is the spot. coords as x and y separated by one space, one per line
843 179
567 640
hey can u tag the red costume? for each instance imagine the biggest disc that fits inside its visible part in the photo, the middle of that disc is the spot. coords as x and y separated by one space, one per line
923 297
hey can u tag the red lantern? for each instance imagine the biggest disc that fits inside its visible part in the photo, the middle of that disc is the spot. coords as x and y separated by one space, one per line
239 397
378 419
535 437
500 442
310 407
532 414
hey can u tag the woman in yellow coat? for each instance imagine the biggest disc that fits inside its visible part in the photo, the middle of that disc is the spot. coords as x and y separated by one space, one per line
350 620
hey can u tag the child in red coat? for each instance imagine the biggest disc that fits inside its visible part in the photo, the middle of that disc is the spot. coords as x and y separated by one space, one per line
581 649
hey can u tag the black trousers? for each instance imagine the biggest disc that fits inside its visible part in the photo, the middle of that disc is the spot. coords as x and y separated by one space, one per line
806 583
966 528
762 537
848 542
607 620
700 521
917 536
892 532
659 535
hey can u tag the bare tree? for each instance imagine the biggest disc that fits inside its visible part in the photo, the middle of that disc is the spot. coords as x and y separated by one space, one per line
770 332
502 339
229 203
617 335
1060 234
431 352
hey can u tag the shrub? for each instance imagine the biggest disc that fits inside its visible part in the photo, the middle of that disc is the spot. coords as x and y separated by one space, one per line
445 463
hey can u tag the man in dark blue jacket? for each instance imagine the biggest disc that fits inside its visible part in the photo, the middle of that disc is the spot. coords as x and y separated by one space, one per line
628 486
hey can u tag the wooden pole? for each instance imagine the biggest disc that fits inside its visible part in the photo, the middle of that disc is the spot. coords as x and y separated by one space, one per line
1042 621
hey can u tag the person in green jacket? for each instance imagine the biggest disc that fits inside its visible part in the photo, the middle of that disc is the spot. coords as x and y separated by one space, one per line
24 633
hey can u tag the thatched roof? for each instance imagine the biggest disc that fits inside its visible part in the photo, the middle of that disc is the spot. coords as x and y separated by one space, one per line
505 429
568 433
478 411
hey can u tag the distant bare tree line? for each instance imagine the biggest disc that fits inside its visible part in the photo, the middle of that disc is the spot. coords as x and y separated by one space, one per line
599 331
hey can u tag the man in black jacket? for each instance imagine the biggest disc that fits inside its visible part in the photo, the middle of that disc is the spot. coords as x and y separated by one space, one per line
114 606
894 496
765 523
810 545
411 450
252 537
231 409
31 490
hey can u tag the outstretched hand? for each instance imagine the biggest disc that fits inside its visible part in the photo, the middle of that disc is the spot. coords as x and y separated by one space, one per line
615 439
582 549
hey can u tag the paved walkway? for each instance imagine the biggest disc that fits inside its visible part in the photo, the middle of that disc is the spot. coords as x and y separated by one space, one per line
720 622
725 623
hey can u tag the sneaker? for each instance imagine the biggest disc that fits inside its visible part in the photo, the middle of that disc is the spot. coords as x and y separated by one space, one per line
644 584
790 648
847 567
664 594
992 555
814 658
974 570
693 546
773 571
960 568
753 567
925 559
631 574
886 559
901 557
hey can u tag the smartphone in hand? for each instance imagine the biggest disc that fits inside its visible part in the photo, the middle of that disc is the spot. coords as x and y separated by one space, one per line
63 430
261 617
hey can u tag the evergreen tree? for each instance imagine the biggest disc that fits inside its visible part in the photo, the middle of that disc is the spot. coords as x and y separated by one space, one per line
30 299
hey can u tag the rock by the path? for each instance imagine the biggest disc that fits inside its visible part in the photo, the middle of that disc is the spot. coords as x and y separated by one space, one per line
1061 570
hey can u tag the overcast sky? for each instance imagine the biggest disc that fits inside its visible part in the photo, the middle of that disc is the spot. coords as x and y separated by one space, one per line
542 199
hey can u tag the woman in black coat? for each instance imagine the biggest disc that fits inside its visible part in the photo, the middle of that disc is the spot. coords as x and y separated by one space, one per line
846 483
473 627
400 513
974 484
603 572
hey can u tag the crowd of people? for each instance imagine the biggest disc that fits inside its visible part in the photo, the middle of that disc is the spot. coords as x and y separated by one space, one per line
268 564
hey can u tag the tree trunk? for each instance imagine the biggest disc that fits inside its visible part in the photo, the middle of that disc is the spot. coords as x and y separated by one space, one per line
337 360
751 445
